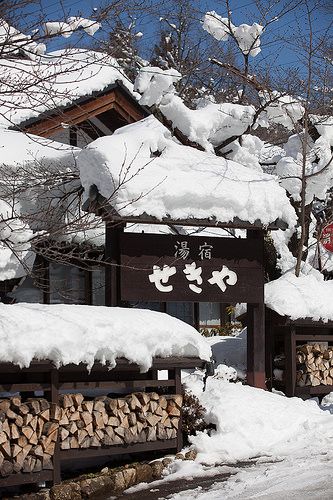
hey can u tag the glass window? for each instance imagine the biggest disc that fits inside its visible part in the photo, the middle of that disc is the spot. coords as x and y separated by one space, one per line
209 314
67 284
98 286
181 310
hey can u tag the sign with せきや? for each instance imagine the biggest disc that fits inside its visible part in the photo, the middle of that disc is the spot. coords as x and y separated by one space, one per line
167 268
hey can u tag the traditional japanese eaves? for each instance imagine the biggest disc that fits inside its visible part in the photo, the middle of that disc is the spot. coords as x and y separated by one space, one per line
141 173
45 87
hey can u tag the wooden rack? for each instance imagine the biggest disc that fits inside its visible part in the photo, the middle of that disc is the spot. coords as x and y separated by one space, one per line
125 377
282 333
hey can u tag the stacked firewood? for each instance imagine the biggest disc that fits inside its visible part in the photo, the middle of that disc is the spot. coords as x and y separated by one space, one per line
314 365
137 418
28 433
29 430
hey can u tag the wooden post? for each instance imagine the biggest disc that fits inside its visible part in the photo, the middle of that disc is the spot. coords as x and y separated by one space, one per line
269 348
290 368
196 315
112 268
256 373
55 400
179 390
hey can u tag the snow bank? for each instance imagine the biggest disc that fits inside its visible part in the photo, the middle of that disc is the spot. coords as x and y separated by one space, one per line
307 296
230 351
74 334
56 79
141 170
252 422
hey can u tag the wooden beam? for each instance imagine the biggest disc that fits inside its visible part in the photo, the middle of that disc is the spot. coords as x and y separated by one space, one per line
80 112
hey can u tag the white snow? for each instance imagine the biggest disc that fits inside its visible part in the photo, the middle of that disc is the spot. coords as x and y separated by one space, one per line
16 259
253 422
180 182
66 29
19 150
246 36
74 334
324 126
280 109
208 125
13 42
153 82
306 296
56 79
230 351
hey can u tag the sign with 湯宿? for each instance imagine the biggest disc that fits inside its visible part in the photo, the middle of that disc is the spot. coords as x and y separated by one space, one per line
165 268
327 237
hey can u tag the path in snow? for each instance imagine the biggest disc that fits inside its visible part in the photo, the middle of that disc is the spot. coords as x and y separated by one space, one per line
304 478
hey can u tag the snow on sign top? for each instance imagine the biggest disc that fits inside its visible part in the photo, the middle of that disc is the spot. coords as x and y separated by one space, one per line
305 297
142 171
84 334
55 79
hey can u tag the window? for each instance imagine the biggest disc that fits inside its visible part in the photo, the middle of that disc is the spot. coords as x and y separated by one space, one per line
67 284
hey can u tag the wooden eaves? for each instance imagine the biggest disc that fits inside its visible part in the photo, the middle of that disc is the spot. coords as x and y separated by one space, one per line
116 97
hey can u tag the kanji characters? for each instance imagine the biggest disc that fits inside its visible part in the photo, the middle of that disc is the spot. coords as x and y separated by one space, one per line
193 273
205 251
182 250
218 278
162 275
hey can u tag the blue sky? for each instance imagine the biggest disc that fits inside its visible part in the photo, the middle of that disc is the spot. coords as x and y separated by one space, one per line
274 49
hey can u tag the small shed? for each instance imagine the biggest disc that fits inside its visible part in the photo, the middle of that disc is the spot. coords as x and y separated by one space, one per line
299 334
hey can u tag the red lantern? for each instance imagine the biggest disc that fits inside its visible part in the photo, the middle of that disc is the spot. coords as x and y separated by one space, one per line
327 237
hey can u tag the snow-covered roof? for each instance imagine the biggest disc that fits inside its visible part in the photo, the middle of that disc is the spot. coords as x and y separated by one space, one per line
303 297
142 171
85 334
55 79
18 149
25 158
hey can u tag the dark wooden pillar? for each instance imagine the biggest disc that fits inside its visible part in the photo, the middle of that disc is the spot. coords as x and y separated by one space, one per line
112 267
290 368
196 315
256 370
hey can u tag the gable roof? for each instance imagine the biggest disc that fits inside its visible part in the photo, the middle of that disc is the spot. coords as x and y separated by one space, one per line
57 81
141 173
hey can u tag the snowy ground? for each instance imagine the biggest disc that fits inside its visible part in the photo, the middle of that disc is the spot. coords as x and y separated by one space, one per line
265 445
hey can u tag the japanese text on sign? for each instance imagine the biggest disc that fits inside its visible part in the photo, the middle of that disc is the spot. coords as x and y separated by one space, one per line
160 277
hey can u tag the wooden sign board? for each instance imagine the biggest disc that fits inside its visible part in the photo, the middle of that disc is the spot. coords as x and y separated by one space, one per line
166 268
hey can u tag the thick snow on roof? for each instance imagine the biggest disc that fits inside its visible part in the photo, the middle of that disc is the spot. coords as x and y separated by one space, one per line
307 296
142 171
18 149
74 334
25 158
13 42
29 88
15 257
